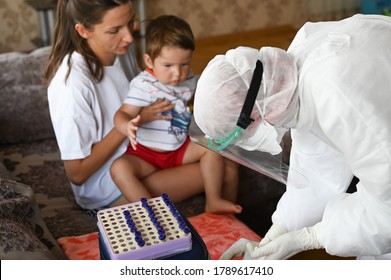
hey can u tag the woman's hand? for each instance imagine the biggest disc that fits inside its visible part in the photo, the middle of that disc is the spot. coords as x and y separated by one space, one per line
153 111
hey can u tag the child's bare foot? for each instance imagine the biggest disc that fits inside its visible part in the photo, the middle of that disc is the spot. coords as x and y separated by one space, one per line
222 206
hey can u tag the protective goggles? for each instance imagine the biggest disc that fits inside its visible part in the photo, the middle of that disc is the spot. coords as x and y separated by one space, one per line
245 115
262 162
275 166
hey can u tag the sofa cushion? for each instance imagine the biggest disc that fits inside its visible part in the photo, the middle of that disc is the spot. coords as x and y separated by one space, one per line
23 233
4 173
24 113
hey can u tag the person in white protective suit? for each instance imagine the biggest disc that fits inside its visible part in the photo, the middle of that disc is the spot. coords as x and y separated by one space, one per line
332 89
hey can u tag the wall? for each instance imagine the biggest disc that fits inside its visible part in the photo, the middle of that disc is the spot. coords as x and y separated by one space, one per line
19 22
18 26
214 17
227 16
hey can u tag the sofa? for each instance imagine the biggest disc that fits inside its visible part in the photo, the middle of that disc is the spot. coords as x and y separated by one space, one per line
37 206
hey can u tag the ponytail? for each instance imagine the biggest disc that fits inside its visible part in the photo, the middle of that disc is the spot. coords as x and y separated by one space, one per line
67 39
62 45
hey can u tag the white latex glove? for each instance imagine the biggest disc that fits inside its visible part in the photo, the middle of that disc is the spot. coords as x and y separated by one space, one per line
275 231
238 249
287 245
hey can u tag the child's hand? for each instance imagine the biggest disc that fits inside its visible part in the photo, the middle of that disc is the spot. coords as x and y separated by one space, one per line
153 111
132 130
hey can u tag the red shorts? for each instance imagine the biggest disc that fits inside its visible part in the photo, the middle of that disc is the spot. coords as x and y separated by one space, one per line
159 159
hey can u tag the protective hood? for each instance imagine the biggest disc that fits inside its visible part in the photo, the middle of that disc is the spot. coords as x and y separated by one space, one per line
222 89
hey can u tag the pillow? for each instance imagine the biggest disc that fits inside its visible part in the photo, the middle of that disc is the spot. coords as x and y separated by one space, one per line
24 110
24 114
81 247
23 233
219 232
19 68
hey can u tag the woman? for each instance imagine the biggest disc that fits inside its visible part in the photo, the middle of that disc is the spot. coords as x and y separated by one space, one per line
86 87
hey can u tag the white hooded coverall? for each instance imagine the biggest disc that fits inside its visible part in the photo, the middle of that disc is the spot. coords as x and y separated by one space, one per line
343 128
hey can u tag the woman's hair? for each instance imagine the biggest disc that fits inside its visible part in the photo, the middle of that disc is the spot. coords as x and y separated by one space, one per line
168 30
67 39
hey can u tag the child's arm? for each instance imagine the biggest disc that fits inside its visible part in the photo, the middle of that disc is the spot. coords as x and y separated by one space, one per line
126 120
129 117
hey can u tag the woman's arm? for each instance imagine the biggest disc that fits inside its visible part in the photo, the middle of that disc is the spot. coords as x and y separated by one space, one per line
79 170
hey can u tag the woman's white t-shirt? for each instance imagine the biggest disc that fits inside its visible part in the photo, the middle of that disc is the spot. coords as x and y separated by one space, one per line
82 113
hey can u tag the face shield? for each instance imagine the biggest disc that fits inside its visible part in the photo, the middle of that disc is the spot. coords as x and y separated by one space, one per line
244 103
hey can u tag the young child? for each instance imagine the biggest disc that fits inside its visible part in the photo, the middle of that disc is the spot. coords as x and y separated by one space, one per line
165 143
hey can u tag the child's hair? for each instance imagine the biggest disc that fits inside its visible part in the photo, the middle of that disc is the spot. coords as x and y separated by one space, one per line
67 40
168 30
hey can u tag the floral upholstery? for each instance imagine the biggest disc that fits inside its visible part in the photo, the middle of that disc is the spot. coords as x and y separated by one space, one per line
23 232
24 114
